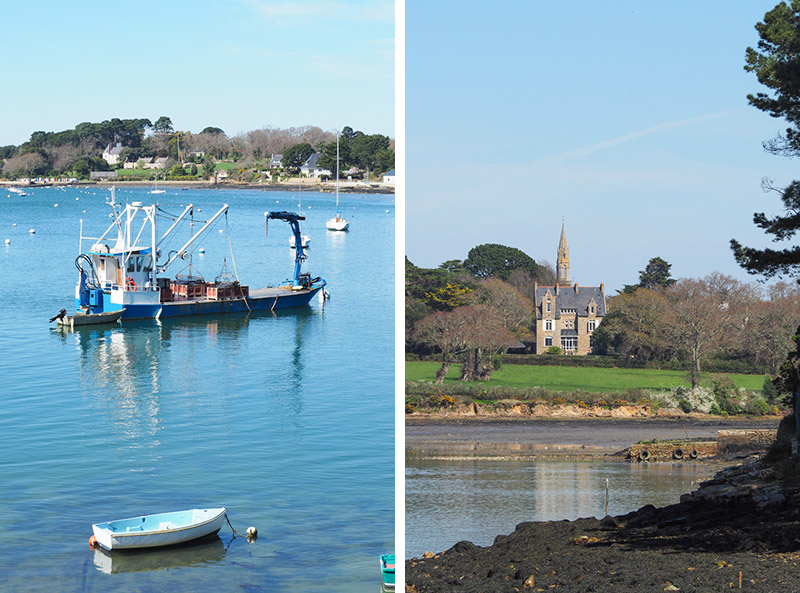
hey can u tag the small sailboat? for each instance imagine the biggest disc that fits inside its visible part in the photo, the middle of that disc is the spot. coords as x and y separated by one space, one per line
163 529
338 222
155 189
387 572
304 239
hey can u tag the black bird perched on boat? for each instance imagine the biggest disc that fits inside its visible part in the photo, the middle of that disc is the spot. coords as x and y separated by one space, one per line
61 315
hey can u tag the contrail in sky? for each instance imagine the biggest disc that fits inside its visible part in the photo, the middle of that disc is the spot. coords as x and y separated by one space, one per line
584 150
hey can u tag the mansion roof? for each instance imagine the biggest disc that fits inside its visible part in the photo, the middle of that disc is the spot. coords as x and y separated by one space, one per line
574 298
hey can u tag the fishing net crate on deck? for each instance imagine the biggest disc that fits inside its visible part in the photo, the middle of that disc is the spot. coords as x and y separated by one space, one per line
221 291
188 287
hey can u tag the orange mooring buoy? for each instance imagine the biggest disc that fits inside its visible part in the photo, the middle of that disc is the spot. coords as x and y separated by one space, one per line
93 542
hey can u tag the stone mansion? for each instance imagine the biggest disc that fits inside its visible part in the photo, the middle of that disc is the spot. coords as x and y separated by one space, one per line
567 314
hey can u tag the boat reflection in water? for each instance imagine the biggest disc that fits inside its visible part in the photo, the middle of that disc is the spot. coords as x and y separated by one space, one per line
145 375
208 550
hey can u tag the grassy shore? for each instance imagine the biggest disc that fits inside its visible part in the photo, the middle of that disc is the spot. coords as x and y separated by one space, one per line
597 380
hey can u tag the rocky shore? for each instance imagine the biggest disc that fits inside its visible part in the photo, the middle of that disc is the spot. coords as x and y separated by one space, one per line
739 530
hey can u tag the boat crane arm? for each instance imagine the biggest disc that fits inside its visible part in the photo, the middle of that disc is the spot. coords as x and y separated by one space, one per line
174 224
294 221
190 241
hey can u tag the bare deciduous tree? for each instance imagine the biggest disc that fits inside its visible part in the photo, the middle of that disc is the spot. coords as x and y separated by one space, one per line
445 331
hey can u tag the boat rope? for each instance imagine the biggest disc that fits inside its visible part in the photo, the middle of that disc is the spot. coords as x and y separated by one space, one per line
233 260
251 533
235 533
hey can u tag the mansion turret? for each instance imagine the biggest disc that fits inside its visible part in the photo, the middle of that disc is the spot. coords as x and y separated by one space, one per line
567 314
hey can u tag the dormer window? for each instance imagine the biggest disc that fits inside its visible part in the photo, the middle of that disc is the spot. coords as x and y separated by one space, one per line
547 306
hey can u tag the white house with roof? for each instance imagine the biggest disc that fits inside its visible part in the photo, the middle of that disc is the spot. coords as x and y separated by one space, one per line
156 163
310 168
275 161
388 177
111 153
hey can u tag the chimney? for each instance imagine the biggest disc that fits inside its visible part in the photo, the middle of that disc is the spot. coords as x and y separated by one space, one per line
602 287
576 288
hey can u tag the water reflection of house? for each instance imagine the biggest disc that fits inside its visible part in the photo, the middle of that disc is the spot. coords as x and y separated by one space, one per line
567 314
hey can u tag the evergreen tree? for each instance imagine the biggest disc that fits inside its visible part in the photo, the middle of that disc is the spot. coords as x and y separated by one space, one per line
776 63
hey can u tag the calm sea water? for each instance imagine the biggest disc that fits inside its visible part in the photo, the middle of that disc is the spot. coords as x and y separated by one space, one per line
286 419
477 500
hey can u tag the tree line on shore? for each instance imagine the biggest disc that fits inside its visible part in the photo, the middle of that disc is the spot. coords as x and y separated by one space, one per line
78 151
470 311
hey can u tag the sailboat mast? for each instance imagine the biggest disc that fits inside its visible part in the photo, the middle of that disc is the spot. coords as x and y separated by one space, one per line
337 175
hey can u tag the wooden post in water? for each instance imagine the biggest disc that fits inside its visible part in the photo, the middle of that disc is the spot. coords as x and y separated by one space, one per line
606 497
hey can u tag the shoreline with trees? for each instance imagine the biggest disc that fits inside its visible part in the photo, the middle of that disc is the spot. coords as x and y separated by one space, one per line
141 150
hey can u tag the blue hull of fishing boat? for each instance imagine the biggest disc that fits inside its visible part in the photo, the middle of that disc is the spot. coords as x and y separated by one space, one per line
265 299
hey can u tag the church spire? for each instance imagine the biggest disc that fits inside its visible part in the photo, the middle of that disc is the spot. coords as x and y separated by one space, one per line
562 260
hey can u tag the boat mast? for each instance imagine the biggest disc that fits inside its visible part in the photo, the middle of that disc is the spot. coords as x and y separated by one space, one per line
337 176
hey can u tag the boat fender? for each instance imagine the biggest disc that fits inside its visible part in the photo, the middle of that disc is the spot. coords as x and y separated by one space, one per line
677 453
130 284
93 542
694 453
644 455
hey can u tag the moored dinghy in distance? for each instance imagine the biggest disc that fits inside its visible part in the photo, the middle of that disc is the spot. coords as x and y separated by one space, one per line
163 529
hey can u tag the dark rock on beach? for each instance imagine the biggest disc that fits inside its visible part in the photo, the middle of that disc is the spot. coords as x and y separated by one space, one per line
740 530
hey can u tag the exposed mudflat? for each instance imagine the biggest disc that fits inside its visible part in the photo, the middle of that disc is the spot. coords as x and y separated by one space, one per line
541 437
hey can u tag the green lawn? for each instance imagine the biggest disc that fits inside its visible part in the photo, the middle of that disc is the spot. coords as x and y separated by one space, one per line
595 380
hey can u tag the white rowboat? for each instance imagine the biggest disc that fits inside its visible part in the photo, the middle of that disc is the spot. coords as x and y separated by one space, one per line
163 529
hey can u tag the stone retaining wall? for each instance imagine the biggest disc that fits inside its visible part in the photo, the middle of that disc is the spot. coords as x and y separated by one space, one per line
674 451
744 441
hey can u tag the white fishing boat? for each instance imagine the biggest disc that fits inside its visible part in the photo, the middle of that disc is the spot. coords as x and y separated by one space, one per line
125 267
163 529
338 222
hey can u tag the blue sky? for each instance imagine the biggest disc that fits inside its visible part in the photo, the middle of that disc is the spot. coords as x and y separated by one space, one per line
629 119
235 64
